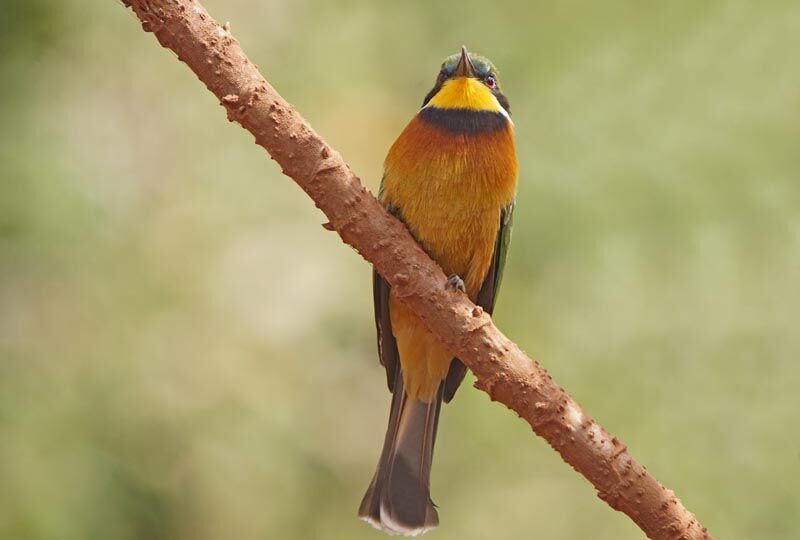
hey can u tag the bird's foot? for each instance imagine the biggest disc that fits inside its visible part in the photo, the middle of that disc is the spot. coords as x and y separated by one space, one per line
455 283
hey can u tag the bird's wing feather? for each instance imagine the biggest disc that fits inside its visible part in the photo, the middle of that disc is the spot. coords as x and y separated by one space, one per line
487 296
387 346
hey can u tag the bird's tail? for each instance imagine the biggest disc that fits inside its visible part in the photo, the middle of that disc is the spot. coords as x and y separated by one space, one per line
398 499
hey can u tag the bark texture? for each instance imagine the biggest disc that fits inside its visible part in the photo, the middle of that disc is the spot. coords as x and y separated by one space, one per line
503 371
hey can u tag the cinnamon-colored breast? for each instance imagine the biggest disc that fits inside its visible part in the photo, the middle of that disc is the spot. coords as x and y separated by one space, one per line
449 183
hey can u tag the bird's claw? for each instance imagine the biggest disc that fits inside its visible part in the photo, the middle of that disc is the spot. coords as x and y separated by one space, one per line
455 283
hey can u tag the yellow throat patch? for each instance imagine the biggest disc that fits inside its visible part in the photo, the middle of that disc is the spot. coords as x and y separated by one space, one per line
465 93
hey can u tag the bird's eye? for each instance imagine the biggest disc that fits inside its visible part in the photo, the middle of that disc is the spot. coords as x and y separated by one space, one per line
491 82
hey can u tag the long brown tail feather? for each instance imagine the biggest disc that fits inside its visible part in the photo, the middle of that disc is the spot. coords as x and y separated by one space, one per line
398 498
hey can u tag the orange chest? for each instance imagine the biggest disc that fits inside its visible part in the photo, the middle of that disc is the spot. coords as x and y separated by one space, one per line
450 188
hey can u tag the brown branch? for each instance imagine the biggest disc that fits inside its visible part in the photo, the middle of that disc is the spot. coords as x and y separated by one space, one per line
503 371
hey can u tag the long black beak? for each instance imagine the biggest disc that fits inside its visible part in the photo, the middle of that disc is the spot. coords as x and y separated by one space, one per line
465 67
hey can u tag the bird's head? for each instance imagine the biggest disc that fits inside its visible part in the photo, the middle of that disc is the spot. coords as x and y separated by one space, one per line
467 81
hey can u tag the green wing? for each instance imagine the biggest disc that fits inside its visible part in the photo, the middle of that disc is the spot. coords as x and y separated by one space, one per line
387 345
487 296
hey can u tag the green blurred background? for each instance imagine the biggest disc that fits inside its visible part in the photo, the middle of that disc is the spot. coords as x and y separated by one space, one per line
185 353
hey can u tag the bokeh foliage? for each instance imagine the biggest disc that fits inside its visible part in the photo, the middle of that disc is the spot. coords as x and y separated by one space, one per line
185 353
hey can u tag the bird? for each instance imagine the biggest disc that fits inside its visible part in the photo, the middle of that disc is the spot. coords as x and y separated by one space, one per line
451 178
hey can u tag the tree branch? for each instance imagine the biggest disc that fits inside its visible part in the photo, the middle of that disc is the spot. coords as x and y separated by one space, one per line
503 371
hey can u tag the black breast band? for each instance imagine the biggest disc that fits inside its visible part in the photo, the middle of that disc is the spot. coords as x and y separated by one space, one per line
464 121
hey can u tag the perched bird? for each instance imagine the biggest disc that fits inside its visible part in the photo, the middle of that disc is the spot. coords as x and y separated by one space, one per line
451 177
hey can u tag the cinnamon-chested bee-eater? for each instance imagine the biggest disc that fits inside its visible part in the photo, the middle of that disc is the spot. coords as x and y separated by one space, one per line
451 177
